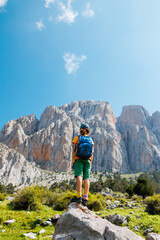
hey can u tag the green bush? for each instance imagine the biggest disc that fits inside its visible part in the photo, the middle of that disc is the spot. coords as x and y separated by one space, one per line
153 204
62 201
122 200
2 188
96 202
26 199
130 190
2 197
142 188
10 188
137 198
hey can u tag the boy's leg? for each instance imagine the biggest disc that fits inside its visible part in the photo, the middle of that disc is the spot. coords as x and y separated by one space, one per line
87 169
86 186
79 186
78 171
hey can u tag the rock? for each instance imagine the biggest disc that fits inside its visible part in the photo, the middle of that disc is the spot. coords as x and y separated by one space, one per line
108 202
9 198
141 136
153 236
148 230
42 231
117 219
16 169
136 228
55 218
130 143
9 222
79 223
30 235
47 223
131 212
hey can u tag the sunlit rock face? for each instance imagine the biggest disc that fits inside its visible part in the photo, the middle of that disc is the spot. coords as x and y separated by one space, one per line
140 132
130 143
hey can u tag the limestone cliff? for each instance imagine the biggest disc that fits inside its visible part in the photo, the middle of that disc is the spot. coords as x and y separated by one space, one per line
130 143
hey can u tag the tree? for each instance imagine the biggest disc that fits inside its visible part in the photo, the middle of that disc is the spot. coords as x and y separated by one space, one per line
142 188
2 188
10 188
130 190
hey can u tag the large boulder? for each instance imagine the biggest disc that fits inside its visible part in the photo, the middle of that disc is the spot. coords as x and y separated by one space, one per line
153 236
79 223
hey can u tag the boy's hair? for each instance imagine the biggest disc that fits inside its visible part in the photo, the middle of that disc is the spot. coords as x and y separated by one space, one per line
84 131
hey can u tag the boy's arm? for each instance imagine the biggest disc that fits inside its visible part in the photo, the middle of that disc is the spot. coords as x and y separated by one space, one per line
74 147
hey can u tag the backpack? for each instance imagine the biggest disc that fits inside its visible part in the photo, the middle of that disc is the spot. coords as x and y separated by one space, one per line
84 147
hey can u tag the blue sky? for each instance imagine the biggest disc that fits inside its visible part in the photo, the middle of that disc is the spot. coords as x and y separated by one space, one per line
53 52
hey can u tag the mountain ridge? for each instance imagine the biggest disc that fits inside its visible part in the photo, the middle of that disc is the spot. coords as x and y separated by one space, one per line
127 144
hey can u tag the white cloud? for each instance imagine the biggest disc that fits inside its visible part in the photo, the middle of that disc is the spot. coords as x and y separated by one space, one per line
68 14
88 12
72 62
3 3
40 25
48 2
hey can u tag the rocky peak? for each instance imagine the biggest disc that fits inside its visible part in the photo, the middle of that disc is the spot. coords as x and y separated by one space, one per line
90 111
50 115
156 119
135 114
28 123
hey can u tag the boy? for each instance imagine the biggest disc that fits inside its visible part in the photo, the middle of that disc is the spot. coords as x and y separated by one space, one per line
82 159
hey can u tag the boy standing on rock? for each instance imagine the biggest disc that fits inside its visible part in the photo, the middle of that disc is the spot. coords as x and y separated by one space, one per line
82 160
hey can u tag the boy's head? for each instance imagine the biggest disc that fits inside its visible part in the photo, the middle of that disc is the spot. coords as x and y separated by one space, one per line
84 129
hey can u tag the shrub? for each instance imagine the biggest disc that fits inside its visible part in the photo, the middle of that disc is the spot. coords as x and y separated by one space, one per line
62 201
137 198
122 200
96 202
142 188
153 204
63 186
2 197
95 205
10 188
26 199
2 188
130 190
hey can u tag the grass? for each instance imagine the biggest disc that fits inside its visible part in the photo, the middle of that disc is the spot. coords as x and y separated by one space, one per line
139 217
25 222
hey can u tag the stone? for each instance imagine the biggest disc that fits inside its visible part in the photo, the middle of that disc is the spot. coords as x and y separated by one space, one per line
79 223
42 231
9 198
55 218
47 223
30 235
117 219
153 236
136 228
9 222
148 230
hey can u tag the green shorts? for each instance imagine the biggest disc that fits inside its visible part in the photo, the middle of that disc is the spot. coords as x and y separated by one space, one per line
82 168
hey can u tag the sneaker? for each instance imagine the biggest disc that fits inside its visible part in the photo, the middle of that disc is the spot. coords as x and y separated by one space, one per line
75 199
84 202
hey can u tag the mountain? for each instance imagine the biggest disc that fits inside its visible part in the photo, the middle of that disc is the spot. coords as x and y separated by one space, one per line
130 143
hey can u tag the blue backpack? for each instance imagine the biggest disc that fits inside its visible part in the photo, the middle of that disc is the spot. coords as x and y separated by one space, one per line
84 147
